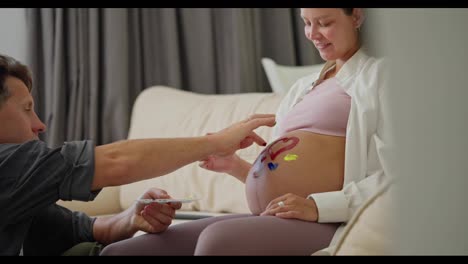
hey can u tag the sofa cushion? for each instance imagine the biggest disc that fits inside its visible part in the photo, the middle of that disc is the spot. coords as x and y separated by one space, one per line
164 112
370 230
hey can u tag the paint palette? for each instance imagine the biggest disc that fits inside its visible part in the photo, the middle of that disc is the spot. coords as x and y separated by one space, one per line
163 201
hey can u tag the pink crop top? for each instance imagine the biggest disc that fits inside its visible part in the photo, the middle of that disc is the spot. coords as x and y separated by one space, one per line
324 110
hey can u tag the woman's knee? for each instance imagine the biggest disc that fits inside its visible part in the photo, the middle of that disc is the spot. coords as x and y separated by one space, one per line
110 250
216 239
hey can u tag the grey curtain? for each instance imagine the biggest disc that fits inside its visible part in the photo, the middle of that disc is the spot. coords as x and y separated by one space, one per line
90 64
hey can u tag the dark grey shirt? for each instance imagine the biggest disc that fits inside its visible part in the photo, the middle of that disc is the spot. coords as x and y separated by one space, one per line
32 178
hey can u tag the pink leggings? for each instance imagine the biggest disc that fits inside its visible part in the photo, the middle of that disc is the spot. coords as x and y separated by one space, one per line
231 235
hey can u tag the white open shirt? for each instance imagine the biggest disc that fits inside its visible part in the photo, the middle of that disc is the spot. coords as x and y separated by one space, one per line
366 140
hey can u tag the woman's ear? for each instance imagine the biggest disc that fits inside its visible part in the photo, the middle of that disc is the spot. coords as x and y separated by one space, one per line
358 17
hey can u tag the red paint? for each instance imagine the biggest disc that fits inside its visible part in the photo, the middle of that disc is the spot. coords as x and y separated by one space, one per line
273 155
294 141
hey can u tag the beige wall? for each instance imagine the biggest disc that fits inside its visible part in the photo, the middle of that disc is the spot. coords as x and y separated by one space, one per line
429 107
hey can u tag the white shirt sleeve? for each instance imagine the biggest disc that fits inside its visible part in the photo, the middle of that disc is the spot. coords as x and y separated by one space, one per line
339 206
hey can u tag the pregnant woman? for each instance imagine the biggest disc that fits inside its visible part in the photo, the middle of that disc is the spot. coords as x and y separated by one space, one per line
323 163
309 155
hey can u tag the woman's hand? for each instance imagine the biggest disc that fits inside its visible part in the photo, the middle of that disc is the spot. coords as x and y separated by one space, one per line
217 163
292 206
230 164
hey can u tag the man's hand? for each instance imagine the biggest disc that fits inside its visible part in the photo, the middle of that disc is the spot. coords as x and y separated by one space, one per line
292 206
240 135
154 217
150 218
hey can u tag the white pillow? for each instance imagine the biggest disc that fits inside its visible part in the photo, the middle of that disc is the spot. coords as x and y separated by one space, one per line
282 77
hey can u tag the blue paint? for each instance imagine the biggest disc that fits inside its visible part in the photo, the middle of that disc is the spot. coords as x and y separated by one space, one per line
272 166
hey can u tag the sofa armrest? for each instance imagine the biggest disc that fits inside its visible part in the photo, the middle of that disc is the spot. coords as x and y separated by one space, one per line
107 202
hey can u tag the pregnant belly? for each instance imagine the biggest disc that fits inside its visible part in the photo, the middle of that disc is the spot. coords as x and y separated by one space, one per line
301 163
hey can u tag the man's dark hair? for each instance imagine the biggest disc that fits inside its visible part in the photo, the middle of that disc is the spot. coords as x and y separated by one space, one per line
11 67
348 11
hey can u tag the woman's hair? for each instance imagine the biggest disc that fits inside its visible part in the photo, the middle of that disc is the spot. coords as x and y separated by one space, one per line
11 67
348 11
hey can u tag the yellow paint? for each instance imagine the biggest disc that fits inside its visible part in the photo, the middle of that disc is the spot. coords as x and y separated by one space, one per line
290 157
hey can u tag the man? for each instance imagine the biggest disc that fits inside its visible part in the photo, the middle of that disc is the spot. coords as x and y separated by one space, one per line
33 177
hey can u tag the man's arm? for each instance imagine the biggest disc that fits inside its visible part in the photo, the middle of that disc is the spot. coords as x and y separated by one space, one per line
134 160
56 229
108 229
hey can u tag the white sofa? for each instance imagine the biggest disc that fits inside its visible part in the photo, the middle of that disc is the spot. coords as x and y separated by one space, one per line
167 112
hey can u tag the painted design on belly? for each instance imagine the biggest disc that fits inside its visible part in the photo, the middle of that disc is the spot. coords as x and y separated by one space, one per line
290 157
290 142
272 166
293 142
